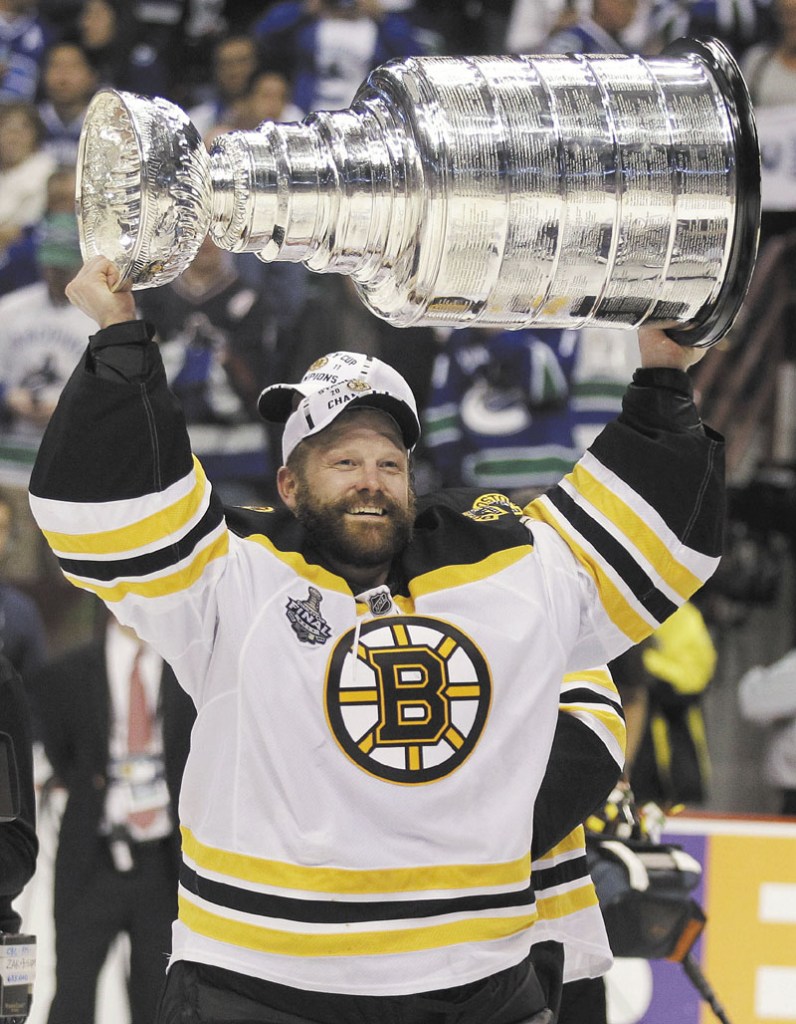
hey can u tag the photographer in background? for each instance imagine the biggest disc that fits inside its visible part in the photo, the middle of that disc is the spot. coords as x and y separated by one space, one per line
18 843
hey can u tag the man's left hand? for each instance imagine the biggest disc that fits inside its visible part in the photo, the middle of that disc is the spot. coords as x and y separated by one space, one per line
658 349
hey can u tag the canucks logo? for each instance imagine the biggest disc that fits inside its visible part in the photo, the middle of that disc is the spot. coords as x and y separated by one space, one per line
409 704
306 619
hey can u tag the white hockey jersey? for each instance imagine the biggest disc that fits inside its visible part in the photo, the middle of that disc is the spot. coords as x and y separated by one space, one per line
357 807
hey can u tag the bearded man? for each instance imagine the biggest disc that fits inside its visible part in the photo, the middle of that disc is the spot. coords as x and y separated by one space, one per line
377 686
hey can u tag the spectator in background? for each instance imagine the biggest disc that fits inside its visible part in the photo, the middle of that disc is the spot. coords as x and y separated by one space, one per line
530 23
326 48
24 37
283 285
61 192
515 409
451 27
41 334
738 23
23 639
770 67
18 843
116 729
20 266
672 763
160 26
182 34
217 341
234 63
597 32
767 697
24 170
69 81
239 14
267 98
108 34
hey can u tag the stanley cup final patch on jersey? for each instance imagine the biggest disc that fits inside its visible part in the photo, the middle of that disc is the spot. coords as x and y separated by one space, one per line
306 619
410 703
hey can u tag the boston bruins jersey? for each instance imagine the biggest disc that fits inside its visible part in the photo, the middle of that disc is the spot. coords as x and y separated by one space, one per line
357 807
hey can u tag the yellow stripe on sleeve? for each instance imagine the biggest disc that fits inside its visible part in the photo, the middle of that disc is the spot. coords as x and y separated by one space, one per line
146 531
574 840
606 716
162 586
619 611
558 905
600 676
675 574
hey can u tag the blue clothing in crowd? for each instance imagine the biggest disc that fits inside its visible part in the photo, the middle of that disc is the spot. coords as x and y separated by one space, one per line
295 43
23 40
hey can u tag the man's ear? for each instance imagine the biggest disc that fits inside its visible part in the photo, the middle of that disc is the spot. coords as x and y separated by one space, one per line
287 484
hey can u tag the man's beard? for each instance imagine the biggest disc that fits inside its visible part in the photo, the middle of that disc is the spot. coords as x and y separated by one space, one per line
348 542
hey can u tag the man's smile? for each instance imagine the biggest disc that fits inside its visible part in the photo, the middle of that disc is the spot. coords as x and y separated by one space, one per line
366 510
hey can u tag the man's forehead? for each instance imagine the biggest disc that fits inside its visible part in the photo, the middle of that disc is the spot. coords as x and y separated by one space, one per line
358 421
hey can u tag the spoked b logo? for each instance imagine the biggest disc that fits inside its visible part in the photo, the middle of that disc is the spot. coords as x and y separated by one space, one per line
409 705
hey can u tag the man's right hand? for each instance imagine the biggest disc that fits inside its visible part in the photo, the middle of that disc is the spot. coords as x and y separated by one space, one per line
92 291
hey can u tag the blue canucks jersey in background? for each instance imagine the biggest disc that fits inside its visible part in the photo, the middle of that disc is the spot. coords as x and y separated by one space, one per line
516 409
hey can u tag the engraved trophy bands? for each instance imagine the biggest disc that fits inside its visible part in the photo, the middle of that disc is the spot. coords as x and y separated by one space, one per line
554 191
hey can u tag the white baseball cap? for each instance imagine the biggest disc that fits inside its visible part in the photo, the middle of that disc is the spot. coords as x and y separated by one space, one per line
334 383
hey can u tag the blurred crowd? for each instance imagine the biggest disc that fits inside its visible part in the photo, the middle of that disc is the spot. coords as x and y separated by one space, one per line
507 411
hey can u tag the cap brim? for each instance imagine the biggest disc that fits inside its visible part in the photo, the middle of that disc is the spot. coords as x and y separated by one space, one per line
394 407
275 403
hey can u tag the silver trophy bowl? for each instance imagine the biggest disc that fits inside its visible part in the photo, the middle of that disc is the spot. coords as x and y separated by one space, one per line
553 191
143 187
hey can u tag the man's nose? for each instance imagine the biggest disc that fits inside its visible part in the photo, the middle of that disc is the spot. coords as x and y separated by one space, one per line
369 478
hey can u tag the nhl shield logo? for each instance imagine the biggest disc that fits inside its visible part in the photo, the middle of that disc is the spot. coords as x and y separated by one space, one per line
380 603
306 619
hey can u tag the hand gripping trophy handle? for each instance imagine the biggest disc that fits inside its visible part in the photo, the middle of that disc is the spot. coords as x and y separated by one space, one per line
553 191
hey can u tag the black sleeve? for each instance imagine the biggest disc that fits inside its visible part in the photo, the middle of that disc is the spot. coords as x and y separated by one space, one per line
578 779
661 400
660 448
123 352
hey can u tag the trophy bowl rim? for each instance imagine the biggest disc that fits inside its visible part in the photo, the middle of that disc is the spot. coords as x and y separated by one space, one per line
89 252
716 321
135 268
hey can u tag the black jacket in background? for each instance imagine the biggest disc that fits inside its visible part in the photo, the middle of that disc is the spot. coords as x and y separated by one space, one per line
73 700
18 843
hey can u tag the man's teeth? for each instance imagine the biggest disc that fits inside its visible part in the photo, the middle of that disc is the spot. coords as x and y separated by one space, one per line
366 510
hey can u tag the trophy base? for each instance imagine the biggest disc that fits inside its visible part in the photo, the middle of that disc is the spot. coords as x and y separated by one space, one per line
716 322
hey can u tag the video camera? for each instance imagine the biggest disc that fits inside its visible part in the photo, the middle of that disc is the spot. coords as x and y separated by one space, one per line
17 952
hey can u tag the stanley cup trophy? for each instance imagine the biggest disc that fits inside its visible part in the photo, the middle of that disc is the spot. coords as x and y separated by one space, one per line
553 191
